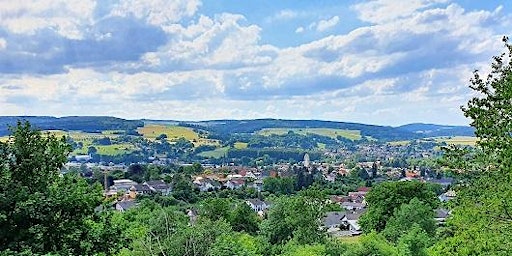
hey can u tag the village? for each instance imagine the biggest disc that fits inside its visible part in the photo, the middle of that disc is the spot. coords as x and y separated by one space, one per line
124 193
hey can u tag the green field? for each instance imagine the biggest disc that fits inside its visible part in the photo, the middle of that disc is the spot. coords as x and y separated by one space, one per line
400 143
173 132
350 239
332 133
458 140
111 150
216 153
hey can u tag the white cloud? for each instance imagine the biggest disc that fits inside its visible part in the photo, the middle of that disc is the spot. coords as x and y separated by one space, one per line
324 25
286 14
213 43
381 11
157 12
67 17
3 44
217 67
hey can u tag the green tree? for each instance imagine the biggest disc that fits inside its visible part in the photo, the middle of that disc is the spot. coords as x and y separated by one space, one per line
294 217
372 244
40 211
415 242
413 213
234 245
483 210
243 218
385 197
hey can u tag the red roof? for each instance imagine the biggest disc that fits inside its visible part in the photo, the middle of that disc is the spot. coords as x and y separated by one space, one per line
363 189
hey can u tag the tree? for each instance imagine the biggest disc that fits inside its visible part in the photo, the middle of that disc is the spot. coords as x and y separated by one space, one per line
234 245
413 213
40 211
243 218
483 210
385 197
294 217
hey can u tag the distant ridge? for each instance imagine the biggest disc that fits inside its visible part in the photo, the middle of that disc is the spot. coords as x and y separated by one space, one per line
434 130
230 126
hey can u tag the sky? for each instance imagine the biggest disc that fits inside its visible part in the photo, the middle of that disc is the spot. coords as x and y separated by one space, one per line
384 62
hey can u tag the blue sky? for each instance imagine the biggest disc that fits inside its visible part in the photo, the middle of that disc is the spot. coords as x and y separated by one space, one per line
381 62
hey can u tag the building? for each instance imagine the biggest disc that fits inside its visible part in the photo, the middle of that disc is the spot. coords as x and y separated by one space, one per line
257 205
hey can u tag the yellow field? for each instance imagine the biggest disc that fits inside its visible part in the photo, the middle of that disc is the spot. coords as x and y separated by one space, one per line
458 140
240 145
151 131
4 139
333 133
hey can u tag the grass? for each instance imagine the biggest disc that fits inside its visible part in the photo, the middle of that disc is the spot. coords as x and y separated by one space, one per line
110 150
350 239
240 145
216 153
458 140
399 143
329 132
173 132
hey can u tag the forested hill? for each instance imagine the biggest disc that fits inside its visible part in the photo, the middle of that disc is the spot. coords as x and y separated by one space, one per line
224 128
434 130
70 123
383 133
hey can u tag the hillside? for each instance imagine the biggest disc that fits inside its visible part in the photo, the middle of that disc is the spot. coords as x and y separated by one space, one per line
95 124
225 128
434 130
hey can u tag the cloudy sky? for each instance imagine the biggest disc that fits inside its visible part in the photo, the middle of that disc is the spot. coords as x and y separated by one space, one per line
382 62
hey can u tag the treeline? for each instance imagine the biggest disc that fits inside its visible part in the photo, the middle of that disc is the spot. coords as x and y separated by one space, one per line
73 123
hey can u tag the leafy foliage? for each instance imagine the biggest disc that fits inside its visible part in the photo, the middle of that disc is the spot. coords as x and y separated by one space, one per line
385 197
483 210
41 212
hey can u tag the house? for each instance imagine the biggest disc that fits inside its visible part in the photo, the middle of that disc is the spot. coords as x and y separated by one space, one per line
123 206
235 183
441 215
122 185
351 219
206 184
159 186
331 177
447 196
353 206
139 189
334 225
257 205
257 184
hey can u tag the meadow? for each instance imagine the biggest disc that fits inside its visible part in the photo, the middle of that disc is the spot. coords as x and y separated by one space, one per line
328 132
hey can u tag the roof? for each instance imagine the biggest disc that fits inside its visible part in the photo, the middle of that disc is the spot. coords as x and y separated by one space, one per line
140 187
354 215
157 184
333 218
442 213
363 189
124 181
351 204
125 205
256 202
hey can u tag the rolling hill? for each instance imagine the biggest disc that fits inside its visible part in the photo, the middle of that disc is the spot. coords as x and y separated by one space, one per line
226 128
